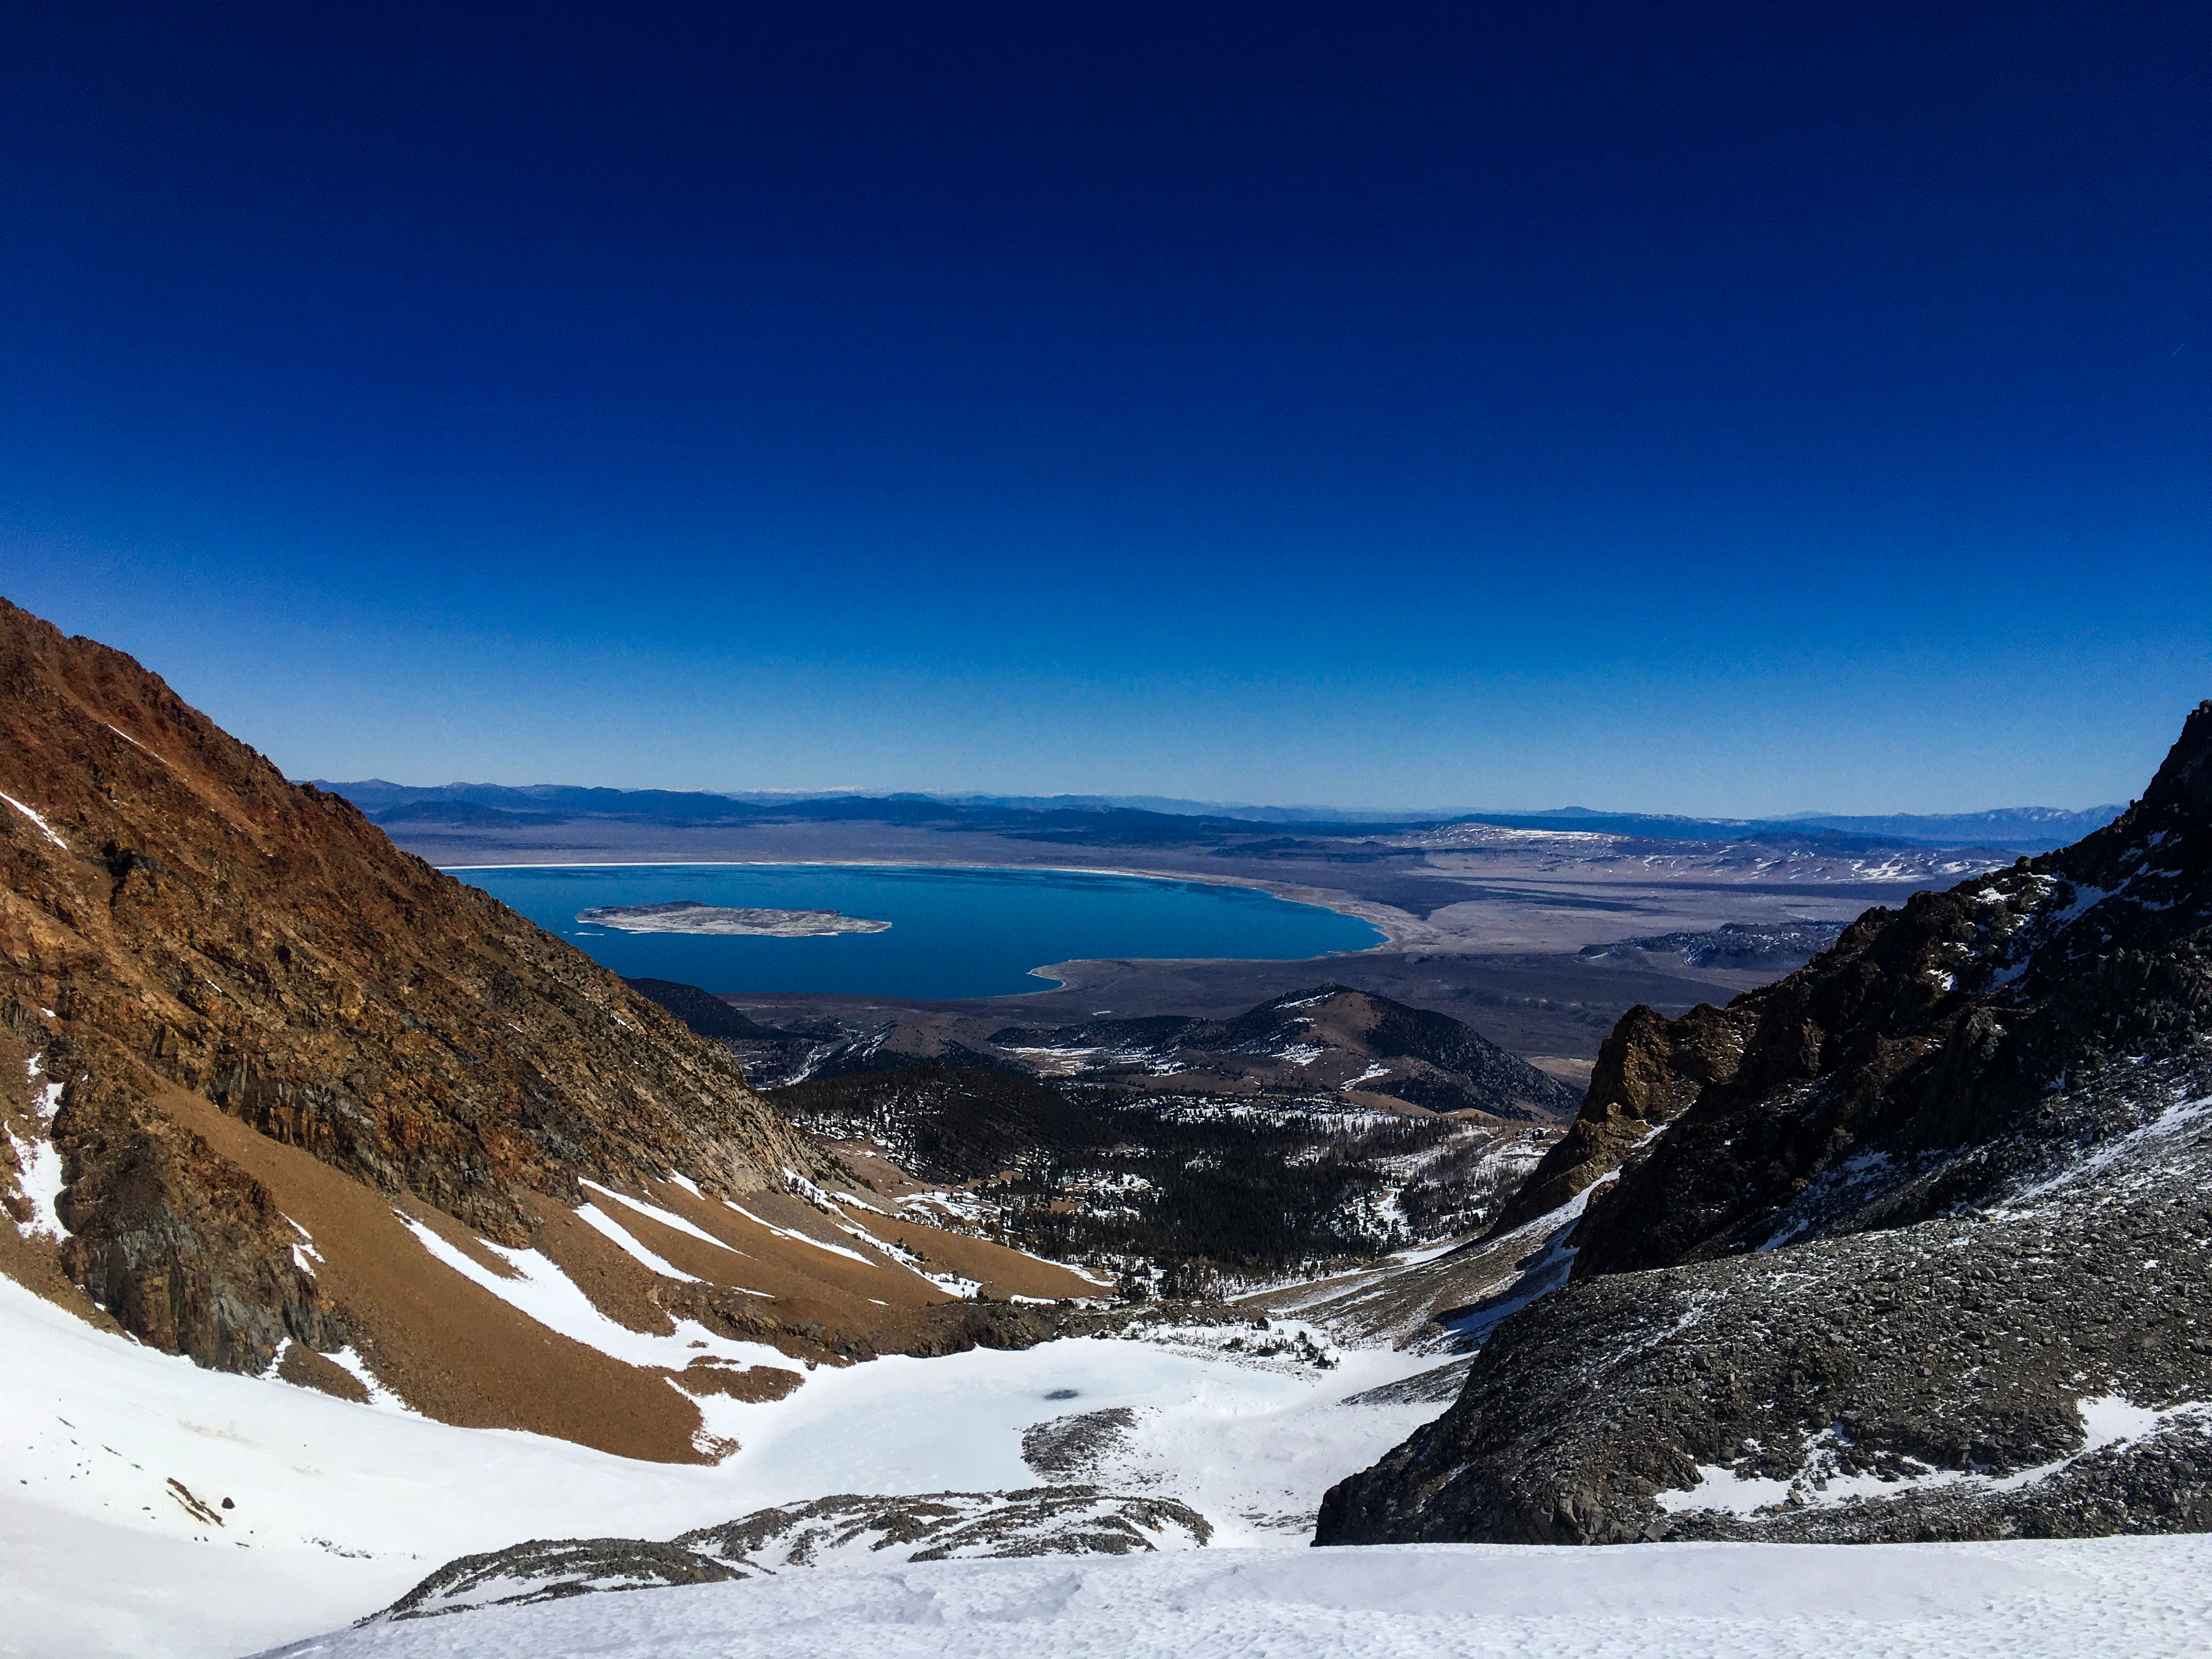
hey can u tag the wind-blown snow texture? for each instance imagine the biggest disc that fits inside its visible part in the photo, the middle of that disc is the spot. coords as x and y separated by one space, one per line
115 1461
2024 1600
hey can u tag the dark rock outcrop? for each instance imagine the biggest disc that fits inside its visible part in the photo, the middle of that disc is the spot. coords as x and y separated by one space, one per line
703 1011
1649 1070
1923 1258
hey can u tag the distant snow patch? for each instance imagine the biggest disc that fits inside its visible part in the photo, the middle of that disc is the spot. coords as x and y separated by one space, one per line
541 1291
41 1181
667 1218
47 829
611 1230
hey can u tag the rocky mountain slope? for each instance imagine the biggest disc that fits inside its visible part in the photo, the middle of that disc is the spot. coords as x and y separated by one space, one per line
1173 1194
278 1095
1909 1245
1331 1039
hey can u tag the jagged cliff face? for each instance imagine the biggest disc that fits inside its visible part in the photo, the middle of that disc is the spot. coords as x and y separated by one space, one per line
1648 1071
1909 1243
176 919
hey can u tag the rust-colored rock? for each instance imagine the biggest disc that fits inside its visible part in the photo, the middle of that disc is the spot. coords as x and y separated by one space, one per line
183 918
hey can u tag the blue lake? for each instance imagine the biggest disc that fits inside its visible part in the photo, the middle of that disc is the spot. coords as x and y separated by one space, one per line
953 933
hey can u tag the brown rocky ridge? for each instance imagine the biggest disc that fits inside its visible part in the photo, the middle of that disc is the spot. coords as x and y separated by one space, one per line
273 1059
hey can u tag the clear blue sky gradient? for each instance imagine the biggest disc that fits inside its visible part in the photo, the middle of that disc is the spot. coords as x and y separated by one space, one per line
1732 410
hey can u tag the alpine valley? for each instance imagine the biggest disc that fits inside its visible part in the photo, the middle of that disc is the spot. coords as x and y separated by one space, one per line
384 1276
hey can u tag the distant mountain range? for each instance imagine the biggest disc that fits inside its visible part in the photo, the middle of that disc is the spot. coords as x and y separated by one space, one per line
1138 819
2044 827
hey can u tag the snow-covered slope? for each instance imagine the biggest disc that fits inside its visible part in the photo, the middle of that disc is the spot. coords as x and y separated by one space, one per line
116 1463
2113 1597
337 1509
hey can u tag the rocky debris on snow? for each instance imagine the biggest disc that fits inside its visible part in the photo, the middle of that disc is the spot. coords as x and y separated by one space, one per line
1909 1245
1068 1447
947 1526
942 1526
547 1569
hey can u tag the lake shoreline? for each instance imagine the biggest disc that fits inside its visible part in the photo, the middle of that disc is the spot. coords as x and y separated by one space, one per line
1396 928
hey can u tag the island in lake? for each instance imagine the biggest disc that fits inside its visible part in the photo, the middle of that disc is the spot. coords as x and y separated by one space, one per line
683 916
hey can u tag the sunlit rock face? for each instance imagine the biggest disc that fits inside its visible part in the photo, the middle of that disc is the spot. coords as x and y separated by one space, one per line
181 931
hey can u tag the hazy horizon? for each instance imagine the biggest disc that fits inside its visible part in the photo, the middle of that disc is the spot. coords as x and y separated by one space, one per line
1164 802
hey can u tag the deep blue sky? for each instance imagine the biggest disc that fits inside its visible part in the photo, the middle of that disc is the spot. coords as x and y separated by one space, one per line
1718 409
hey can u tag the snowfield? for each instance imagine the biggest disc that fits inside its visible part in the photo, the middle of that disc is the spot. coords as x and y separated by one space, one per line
2112 1598
115 1463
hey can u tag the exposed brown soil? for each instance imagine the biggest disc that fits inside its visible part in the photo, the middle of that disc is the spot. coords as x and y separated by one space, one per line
747 1383
304 1368
449 1347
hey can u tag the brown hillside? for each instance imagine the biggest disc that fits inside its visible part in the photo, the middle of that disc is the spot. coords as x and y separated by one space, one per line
187 920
